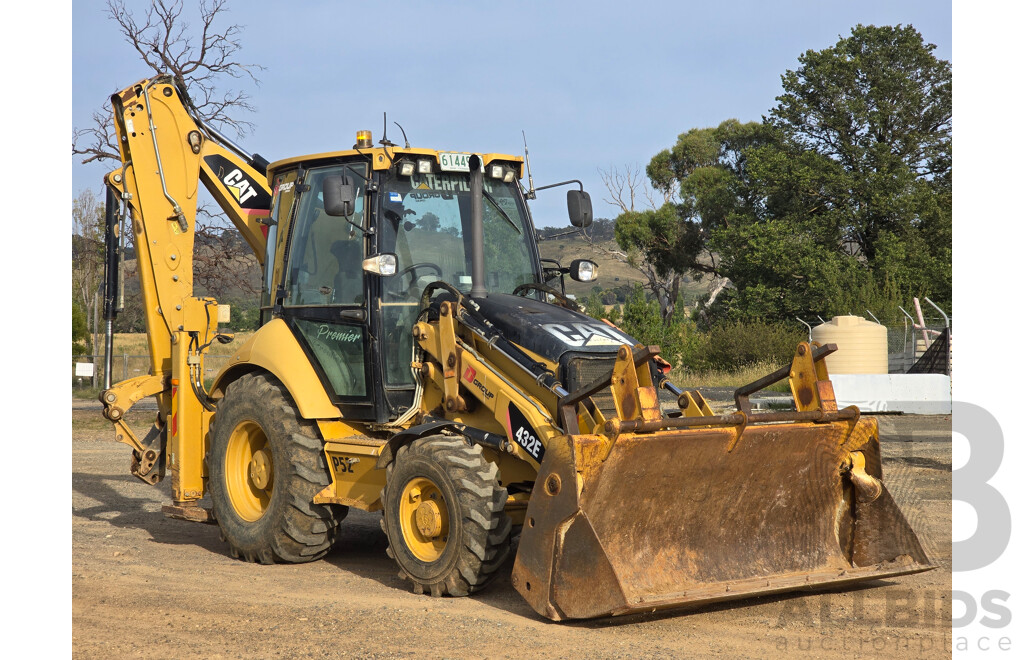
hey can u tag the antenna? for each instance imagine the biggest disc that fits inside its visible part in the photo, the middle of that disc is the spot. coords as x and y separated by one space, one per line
384 140
403 134
531 193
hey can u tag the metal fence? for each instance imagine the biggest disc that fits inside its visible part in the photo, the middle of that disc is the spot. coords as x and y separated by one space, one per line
126 366
907 340
907 344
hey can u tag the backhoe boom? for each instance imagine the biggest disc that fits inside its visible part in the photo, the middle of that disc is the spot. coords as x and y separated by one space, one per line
166 151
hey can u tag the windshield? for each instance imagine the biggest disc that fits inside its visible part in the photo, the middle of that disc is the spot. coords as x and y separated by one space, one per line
425 221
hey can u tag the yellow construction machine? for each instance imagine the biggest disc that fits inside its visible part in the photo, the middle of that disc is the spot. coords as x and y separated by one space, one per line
417 357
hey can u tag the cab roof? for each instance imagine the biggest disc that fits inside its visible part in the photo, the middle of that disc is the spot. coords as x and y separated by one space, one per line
382 158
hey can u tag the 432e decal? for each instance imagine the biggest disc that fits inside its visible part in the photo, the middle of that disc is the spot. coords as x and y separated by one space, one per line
523 434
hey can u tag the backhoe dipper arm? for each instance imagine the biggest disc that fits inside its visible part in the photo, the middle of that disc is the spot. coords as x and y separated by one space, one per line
166 151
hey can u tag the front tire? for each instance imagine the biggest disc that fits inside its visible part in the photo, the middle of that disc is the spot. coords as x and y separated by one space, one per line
444 516
266 464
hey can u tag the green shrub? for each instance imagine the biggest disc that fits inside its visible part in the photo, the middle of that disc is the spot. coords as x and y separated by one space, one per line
738 344
727 347
79 331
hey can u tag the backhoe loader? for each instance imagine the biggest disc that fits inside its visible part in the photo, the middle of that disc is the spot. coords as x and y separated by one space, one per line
417 357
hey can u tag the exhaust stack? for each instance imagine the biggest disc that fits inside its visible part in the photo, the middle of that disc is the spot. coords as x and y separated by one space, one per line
476 219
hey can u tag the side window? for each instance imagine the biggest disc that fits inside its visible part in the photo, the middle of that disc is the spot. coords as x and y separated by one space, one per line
325 265
284 197
339 352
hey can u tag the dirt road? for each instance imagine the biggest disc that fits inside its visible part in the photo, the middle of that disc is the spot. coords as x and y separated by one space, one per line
147 586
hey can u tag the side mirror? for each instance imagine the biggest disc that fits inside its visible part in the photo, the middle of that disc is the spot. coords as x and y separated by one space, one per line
339 196
581 214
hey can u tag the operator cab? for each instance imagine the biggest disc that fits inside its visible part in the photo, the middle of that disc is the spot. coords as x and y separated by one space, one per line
358 234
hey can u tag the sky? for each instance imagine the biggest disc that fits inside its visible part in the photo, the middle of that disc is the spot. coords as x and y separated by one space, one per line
594 87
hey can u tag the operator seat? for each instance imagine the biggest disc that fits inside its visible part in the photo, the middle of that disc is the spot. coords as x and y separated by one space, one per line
348 283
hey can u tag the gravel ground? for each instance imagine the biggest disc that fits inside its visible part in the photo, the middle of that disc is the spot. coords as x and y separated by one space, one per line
147 586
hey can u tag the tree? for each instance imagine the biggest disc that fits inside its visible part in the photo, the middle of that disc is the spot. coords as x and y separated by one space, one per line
205 61
429 222
201 60
79 330
861 168
839 198
701 179
223 263
663 281
87 257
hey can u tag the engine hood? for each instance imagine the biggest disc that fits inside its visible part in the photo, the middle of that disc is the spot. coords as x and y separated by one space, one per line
549 330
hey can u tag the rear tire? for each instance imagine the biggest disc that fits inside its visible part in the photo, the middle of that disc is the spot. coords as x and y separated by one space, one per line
266 464
444 516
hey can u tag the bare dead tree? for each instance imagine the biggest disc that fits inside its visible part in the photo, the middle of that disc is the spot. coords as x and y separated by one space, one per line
97 141
203 60
624 187
203 57
223 262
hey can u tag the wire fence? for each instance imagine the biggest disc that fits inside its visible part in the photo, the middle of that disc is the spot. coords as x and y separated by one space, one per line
87 371
908 343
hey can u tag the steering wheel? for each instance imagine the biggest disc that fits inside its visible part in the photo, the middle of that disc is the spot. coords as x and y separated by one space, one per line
412 269
560 299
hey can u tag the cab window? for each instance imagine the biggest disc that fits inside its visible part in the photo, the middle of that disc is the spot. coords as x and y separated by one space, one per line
325 265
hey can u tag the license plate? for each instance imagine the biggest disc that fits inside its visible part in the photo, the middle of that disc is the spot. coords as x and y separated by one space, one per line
453 162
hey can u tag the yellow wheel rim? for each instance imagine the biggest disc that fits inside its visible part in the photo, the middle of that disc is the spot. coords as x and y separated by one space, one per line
249 471
423 516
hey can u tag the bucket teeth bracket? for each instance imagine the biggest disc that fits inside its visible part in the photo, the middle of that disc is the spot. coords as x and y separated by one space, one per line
808 380
632 388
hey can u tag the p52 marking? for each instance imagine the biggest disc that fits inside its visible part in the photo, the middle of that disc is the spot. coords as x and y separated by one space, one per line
344 464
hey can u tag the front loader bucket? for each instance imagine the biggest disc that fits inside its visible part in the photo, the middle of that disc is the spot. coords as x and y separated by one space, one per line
646 521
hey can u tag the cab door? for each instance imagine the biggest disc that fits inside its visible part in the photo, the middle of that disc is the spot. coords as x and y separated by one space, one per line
323 296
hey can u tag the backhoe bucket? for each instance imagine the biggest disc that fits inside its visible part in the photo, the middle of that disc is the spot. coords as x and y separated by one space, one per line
639 521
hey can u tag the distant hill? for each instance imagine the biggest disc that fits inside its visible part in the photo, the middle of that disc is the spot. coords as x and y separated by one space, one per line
613 274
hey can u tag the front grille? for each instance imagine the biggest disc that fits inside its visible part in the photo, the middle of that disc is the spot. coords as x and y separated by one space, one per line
582 370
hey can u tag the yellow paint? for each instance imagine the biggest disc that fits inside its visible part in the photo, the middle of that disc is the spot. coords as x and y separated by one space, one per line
423 519
249 471
355 481
382 158
274 348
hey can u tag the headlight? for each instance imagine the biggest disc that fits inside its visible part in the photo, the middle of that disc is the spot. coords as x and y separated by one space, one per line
383 264
583 270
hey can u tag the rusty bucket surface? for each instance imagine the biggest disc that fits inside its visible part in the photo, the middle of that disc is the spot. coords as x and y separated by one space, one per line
706 514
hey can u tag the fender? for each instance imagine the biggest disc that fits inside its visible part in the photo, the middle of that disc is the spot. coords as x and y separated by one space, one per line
433 425
273 348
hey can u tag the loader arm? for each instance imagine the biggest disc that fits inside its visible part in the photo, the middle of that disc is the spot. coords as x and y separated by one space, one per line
634 508
166 151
